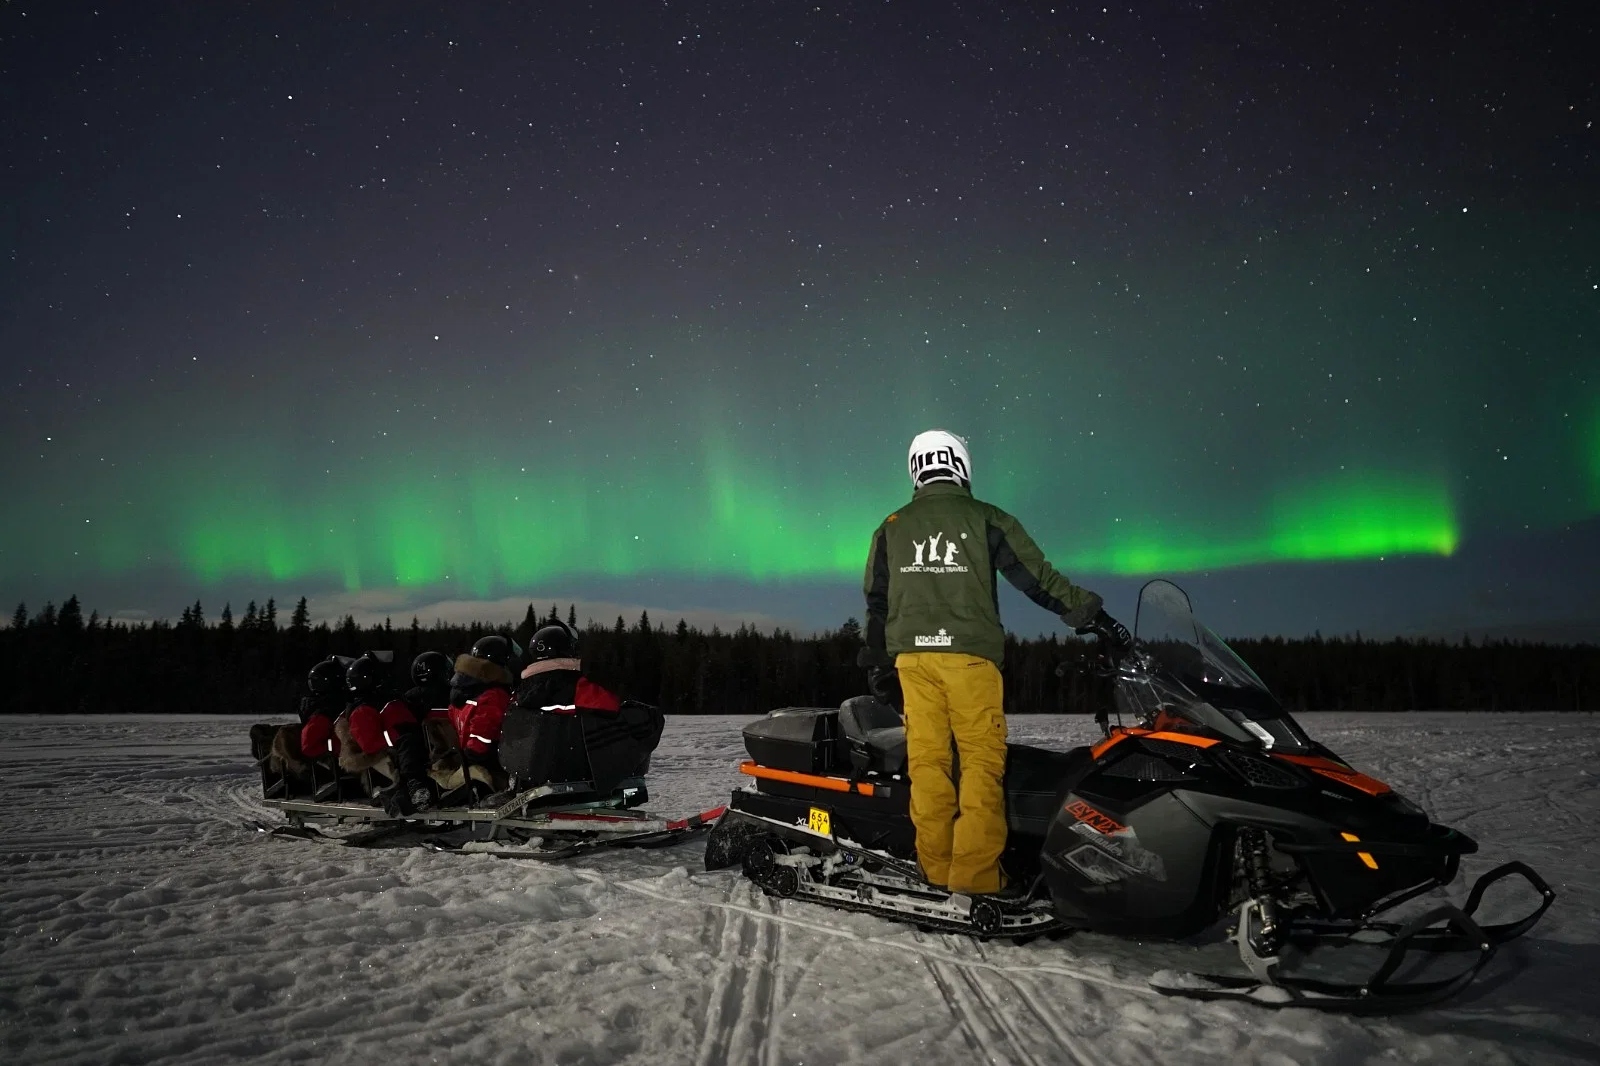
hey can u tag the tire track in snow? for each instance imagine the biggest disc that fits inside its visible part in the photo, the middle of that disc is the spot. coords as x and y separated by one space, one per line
985 1025
897 944
1049 1019
742 1015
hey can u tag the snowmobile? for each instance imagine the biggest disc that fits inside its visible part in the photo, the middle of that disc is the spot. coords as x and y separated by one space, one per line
572 785
1205 799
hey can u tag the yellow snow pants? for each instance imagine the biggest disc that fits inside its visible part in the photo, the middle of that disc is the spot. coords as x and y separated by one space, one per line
950 696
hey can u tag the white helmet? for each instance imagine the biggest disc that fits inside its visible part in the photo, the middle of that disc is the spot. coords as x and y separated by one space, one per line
937 455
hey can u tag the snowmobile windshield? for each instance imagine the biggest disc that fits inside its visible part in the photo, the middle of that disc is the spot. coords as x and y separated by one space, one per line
1192 675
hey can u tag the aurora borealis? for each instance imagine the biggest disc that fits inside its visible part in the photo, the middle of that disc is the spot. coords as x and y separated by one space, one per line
642 302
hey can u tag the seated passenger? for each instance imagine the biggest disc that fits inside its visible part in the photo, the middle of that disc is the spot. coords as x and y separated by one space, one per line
319 710
281 750
385 735
480 693
429 700
568 728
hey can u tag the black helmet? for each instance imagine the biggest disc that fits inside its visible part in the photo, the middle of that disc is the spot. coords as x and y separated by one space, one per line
497 649
366 675
554 641
431 668
326 678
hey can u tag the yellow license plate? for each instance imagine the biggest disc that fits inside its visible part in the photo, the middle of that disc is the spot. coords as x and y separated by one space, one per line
819 822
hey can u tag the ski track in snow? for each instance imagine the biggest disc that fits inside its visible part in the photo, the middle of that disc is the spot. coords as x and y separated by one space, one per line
141 920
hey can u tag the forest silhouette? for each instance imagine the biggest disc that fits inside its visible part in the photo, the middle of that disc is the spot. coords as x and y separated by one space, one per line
57 661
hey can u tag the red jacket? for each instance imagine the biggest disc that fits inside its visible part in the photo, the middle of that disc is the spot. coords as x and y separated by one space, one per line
374 730
478 721
316 737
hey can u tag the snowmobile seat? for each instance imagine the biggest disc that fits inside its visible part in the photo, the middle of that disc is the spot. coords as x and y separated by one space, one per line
874 736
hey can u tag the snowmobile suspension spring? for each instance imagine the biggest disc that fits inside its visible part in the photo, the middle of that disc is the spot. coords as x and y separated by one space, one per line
1257 864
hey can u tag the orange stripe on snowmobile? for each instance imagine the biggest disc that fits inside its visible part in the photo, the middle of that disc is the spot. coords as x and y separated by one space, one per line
1339 772
794 777
1107 744
1366 857
1133 731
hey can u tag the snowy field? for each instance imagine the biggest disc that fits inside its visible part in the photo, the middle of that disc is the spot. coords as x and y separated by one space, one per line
141 921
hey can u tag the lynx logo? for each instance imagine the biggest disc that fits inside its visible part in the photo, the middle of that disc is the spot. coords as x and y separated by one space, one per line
928 557
939 640
944 461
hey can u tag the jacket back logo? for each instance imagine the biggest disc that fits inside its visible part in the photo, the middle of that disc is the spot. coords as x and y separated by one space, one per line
941 639
928 556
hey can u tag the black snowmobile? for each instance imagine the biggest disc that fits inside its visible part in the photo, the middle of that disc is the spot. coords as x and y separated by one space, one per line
574 783
1213 801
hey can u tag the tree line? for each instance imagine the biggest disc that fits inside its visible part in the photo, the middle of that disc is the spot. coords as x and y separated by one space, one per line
57 661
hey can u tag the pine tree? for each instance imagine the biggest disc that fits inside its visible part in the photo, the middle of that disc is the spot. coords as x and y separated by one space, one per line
19 617
299 621
682 631
94 620
851 630
644 622
186 619
269 619
555 615
249 616
46 619
198 616
621 627
226 625
572 615
70 620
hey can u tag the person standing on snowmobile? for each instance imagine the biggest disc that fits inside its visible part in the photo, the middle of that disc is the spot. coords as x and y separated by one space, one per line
480 693
933 618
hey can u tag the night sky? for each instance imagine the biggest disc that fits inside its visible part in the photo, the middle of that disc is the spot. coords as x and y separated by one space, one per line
444 308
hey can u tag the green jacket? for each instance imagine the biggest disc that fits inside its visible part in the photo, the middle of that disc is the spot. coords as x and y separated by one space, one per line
930 576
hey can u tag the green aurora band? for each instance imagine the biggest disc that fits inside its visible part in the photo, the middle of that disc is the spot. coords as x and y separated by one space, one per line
729 524
1299 409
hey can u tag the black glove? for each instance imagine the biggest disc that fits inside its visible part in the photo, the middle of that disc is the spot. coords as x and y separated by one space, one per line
884 684
1113 635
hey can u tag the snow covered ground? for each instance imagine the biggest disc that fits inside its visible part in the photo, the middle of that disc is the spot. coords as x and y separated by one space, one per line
140 920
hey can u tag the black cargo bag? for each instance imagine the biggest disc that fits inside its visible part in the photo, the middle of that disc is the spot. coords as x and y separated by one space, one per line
620 743
538 747
802 739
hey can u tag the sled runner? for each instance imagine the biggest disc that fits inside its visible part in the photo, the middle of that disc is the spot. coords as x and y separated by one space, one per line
1211 801
552 821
